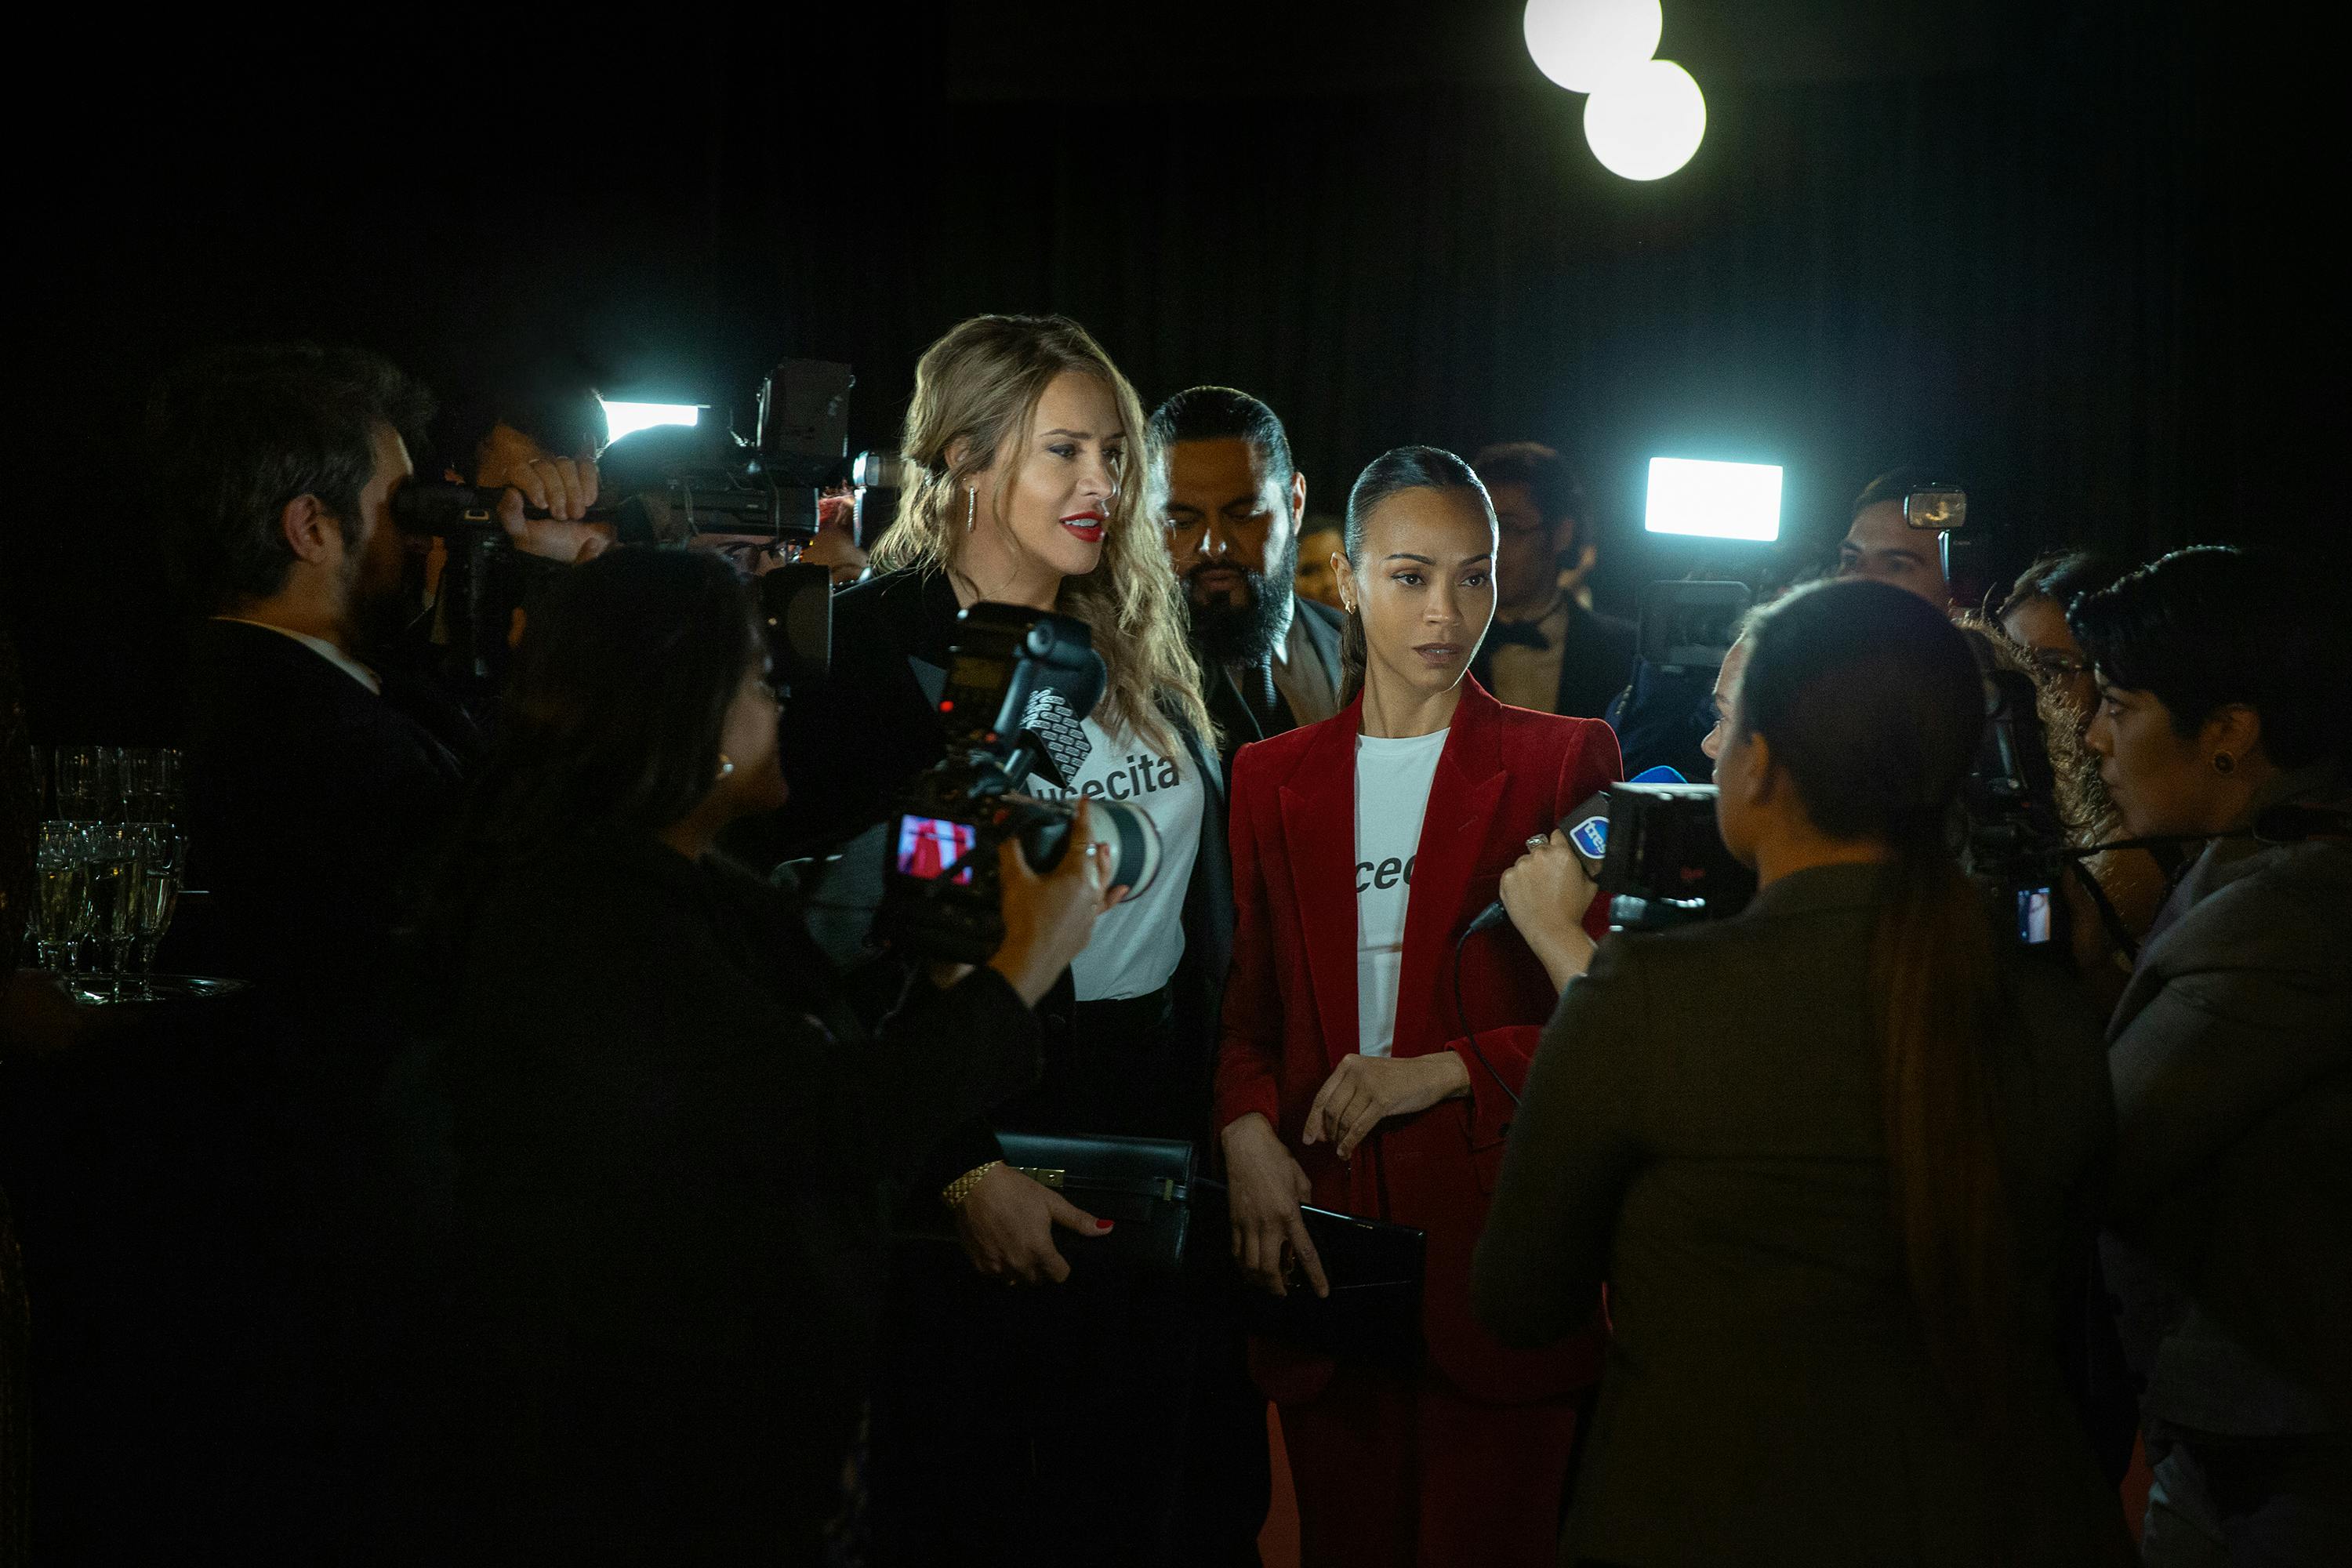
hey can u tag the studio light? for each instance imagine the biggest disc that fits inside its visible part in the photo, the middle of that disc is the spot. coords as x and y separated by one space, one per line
1645 123
1581 44
619 418
1707 499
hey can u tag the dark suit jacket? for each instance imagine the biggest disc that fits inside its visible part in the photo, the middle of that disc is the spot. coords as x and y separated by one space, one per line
1236 725
1596 661
671 1149
1290 1006
308 797
1702 1129
852 745
2232 1062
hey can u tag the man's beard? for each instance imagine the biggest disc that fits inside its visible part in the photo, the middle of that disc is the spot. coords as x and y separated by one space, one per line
1225 633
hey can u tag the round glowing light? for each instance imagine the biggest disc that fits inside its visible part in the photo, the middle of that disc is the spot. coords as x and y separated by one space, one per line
1644 123
1581 44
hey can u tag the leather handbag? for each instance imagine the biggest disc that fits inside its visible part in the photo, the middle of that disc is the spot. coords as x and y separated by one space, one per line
1375 1268
1142 1185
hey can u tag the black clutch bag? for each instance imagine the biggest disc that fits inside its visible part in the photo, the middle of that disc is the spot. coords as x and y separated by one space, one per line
1372 1315
1142 1185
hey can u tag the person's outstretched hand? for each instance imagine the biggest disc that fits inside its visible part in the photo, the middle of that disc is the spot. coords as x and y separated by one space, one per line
1049 920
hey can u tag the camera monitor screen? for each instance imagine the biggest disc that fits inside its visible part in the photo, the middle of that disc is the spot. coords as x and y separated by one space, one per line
2033 916
1705 499
928 845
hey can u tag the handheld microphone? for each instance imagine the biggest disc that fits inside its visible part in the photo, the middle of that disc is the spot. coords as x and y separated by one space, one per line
1587 829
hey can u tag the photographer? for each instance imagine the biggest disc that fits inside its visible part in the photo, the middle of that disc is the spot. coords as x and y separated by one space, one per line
1830 1156
317 767
1036 1411
2223 715
671 1133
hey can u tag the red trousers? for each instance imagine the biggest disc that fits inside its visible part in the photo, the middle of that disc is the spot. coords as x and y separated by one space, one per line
1398 1472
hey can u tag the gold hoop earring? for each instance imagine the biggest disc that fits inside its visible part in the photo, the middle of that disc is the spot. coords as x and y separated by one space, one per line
726 765
971 506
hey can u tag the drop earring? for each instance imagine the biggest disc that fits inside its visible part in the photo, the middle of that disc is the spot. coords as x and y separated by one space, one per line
971 506
726 765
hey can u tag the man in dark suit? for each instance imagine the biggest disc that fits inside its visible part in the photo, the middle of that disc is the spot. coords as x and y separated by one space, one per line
1546 650
1270 660
317 770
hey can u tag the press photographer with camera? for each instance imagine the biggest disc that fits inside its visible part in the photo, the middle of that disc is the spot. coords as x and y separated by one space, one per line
1038 1380
321 760
1831 1155
1366 1066
672 1130
2224 720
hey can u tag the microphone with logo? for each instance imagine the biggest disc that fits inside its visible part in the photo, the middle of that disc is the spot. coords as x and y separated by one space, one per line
1587 830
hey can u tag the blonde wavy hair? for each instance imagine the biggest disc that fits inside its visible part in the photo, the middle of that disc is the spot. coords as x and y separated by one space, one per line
976 394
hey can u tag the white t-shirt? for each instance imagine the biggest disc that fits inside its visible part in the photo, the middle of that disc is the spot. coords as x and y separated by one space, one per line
1136 945
1392 780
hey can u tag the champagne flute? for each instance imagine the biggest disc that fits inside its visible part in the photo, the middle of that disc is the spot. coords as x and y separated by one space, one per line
89 783
162 855
61 913
113 880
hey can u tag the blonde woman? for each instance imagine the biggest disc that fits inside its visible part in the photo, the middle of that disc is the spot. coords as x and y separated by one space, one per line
1037 1412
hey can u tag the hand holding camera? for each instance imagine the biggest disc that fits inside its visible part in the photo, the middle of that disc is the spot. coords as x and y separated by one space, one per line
564 488
1049 918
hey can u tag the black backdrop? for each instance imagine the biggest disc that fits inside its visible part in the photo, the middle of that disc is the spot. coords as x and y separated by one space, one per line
2052 247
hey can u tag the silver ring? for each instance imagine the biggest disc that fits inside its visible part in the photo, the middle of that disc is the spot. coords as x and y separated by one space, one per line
1536 841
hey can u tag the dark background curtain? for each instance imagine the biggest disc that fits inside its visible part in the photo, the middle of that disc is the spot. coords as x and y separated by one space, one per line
2052 248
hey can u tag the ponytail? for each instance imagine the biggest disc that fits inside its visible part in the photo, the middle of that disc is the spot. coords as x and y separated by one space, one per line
1933 982
1873 703
1352 655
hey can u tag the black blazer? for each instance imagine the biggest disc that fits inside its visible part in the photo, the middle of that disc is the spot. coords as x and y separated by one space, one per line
308 795
852 743
1595 663
1702 1129
1236 725
672 1143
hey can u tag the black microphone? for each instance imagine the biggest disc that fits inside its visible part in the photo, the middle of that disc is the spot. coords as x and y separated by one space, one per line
1587 829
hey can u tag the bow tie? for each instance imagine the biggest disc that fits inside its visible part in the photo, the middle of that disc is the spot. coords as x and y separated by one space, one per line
1527 634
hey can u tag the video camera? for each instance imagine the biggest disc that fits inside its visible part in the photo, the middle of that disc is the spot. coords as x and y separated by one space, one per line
765 484
1019 685
1665 863
2013 841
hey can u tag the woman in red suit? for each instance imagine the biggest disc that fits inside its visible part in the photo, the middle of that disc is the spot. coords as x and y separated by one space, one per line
1343 1077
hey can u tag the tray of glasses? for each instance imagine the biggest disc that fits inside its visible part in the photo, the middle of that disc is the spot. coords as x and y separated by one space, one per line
97 991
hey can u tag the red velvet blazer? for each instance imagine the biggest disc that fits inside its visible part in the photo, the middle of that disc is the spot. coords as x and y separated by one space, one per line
1506 773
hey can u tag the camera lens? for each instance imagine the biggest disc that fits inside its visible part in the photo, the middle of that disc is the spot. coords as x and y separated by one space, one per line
1134 844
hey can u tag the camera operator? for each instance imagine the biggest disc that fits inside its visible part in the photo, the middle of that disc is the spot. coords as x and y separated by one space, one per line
2223 715
1038 1425
1831 1155
671 1133
1881 546
316 768
1270 660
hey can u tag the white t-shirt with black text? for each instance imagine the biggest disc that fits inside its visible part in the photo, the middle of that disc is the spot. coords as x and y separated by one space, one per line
1136 945
1392 779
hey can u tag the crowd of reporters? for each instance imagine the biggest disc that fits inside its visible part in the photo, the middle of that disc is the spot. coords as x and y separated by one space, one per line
623 1205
